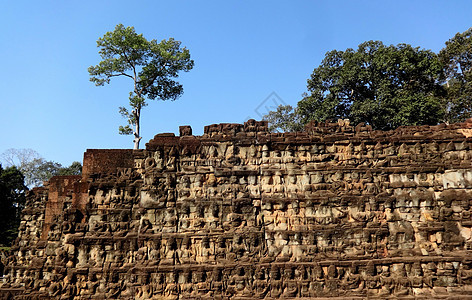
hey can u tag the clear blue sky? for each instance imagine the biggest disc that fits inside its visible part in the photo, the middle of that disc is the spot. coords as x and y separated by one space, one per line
243 51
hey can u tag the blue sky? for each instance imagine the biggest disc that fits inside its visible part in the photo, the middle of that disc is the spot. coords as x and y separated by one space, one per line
243 51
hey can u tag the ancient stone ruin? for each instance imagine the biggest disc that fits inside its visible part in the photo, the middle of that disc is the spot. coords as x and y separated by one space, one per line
241 213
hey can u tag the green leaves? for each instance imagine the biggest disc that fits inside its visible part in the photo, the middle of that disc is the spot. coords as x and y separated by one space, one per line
136 101
284 119
74 169
35 168
457 60
12 200
389 86
151 65
125 130
385 86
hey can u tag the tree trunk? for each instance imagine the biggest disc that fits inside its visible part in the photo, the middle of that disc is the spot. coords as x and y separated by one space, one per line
137 138
136 142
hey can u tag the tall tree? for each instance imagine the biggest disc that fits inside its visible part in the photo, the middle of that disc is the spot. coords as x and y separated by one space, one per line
457 60
385 86
284 119
151 65
28 162
75 168
35 168
12 200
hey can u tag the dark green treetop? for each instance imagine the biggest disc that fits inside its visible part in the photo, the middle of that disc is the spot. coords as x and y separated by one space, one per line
12 200
457 60
284 119
384 86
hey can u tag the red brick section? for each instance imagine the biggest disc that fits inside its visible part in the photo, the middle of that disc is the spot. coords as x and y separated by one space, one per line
79 197
98 161
73 191
61 189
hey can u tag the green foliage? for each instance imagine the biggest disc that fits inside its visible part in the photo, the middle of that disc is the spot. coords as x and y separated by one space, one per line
74 169
12 200
151 65
457 60
44 170
389 86
36 169
384 86
284 119
40 170
125 130
26 160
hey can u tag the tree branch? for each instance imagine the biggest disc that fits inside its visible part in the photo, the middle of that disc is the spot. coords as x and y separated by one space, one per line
120 74
151 82
132 66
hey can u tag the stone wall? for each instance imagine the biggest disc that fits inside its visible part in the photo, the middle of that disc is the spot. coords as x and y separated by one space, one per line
241 213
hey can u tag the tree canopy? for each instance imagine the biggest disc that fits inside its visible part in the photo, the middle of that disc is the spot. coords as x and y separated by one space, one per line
284 119
457 60
384 86
12 200
387 86
75 168
151 65
35 168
